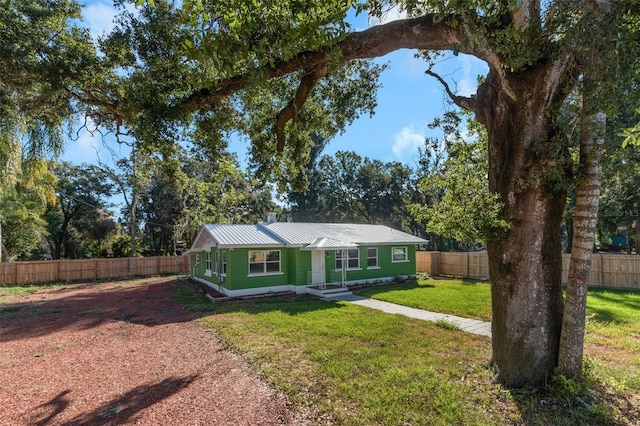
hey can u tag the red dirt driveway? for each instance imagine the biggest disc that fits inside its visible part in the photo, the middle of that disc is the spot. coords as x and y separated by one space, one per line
123 352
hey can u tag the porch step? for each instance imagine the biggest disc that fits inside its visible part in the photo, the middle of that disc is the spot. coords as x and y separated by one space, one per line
329 293
337 296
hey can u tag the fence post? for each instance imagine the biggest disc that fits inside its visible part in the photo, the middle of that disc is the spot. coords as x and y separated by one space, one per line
435 263
601 284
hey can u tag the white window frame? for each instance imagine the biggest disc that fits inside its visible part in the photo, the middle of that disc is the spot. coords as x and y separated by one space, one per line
265 262
406 254
349 259
207 264
223 264
197 259
377 265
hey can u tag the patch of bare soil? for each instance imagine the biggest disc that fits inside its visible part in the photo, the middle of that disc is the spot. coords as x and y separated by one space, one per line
122 353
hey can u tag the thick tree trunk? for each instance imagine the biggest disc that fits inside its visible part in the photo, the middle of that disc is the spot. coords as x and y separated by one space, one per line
525 261
584 228
525 270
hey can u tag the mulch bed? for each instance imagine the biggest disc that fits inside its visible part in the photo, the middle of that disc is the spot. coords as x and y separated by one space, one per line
124 352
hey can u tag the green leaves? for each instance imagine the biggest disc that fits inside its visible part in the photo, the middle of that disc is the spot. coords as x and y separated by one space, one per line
461 205
631 135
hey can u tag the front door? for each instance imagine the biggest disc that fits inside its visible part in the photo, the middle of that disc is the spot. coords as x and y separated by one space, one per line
317 267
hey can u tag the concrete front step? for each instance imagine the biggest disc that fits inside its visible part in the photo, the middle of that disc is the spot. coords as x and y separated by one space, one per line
329 293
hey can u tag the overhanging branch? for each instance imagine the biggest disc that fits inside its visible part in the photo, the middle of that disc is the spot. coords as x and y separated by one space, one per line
307 83
461 101
415 33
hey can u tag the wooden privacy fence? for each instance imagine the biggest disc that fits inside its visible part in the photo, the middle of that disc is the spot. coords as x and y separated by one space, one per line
607 270
16 273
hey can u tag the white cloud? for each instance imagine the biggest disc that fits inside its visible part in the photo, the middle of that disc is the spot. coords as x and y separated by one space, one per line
84 149
406 142
98 17
393 14
471 67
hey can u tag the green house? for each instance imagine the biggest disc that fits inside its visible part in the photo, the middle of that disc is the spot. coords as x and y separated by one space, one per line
242 260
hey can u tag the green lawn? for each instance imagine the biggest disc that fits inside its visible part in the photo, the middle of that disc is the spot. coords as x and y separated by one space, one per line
344 364
470 299
613 318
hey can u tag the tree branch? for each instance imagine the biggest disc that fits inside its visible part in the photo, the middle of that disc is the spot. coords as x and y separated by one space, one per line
307 84
415 33
461 101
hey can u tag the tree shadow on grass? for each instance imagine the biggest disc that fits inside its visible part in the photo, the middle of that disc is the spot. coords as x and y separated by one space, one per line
623 298
119 410
290 304
564 405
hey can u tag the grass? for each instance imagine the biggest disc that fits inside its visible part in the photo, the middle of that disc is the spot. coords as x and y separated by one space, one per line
465 298
340 363
17 291
612 334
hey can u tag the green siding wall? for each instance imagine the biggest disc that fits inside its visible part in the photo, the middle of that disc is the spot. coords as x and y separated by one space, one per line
238 277
386 268
295 266
299 267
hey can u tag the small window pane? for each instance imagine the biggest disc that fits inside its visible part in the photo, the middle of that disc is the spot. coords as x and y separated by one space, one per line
256 256
256 268
399 253
273 256
273 266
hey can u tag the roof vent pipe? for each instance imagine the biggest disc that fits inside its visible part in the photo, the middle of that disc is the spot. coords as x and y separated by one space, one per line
271 217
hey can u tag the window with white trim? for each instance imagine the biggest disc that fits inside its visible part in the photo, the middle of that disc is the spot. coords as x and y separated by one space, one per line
208 262
372 257
264 262
352 259
399 254
198 259
223 268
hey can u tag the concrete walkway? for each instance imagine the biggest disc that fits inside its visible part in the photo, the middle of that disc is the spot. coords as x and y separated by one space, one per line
466 324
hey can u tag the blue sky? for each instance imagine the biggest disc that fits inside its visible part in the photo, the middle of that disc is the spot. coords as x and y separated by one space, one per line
407 101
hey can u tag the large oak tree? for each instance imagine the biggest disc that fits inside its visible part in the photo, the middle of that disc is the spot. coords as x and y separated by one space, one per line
205 62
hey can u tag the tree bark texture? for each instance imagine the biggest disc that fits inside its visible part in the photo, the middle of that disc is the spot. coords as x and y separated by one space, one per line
525 263
584 228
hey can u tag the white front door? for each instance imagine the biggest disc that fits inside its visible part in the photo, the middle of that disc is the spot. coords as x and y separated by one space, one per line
317 267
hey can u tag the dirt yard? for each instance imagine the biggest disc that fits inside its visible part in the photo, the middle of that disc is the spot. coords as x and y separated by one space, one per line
123 352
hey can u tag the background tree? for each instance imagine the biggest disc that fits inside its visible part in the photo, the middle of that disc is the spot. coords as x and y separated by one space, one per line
457 203
82 202
22 207
42 54
348 188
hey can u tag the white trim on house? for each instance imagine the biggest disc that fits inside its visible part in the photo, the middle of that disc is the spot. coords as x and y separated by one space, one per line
298 289
406 254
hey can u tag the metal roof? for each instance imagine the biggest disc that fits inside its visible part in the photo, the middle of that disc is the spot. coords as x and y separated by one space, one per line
217 235
302 234
311 236
327 243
